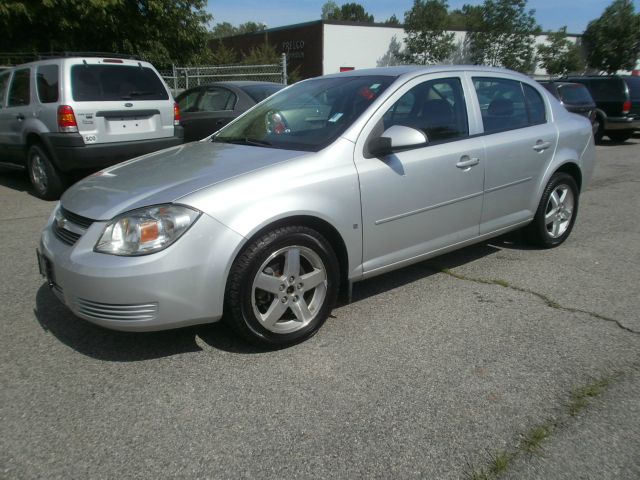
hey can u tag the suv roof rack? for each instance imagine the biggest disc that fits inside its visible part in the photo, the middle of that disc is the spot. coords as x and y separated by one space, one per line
25 57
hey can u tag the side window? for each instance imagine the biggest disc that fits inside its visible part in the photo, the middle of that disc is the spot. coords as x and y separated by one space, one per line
216 99
47 83
436 107
188 101
4 82
502 104
20 91
535 105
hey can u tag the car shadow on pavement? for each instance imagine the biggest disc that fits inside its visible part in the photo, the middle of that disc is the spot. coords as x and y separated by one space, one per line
15 179
110 345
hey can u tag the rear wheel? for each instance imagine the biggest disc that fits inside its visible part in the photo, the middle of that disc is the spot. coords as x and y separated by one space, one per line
48 183
556 212
283 287
620 136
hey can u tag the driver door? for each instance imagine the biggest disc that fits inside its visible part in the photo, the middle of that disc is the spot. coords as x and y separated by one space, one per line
423 199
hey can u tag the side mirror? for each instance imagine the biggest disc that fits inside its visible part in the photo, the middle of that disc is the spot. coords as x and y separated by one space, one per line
397 137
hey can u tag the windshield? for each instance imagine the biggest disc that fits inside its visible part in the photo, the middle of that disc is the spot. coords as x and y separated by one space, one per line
91 83
307 116
575 94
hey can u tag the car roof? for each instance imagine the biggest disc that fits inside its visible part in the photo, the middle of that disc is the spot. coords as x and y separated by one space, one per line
239 83
409 71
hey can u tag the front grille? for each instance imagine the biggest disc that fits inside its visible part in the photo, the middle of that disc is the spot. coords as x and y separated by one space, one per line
69 227
110 311
83 222
65 235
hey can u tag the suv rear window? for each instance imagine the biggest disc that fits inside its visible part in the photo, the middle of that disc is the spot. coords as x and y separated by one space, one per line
91 83
575 94
607 89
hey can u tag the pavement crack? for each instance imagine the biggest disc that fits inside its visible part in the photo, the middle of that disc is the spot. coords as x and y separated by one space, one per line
547 300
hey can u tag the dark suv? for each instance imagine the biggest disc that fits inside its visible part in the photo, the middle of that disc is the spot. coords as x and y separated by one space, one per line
575 97
618 104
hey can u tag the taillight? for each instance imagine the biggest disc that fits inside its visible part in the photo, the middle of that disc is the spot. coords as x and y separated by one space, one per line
176 114
626 107
67 120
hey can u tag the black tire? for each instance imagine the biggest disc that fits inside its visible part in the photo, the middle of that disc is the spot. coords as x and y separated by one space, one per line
600 131
48 183
537 232
620 136
239 295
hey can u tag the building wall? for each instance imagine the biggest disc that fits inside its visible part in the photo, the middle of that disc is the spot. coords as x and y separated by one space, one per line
370 46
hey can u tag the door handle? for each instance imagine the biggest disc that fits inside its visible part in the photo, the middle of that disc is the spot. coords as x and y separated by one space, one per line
541 146
20 116
467 162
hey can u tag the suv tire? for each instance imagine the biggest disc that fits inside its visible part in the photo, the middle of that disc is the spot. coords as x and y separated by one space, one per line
48 183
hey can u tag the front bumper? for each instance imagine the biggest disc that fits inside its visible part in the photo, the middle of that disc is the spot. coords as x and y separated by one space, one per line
179 286
69 152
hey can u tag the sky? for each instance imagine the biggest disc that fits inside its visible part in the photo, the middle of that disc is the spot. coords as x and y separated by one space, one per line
551 14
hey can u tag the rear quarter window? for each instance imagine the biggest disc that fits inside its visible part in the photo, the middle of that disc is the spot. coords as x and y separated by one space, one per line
634 87
91 83
575 94
47 83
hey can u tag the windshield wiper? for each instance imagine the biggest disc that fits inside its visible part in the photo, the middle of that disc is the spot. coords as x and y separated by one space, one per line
243 141
135 93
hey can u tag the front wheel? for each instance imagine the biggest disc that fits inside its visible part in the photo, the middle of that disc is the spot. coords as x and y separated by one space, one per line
282 287
556 212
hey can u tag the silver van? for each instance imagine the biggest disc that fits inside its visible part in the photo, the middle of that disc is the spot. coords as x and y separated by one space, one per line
64 115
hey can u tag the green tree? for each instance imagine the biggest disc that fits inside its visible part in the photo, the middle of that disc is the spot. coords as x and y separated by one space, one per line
427 40
330 9
225 29
560 56
502 33
392 20
162 31
263 54
223 55
349 12
613 40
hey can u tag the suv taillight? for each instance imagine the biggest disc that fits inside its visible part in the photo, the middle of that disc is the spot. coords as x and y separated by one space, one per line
176 114
626 107
67 120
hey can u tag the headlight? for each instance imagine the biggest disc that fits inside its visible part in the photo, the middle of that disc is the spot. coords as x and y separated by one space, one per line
147 230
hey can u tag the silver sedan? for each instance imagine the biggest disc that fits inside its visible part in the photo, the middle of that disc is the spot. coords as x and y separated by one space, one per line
330 181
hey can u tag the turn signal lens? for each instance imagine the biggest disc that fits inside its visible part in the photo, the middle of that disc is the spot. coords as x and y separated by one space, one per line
67 120
176 114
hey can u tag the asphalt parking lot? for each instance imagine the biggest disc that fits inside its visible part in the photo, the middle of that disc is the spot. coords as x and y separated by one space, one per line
436 371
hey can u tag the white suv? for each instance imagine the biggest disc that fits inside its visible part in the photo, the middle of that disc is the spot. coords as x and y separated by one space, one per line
63 115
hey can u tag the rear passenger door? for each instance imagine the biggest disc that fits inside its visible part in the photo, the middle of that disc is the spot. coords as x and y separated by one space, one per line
519 142
212 111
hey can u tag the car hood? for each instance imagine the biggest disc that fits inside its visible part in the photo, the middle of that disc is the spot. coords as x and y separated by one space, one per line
166 176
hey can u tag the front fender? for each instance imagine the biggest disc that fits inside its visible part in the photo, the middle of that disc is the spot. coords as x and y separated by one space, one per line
323 185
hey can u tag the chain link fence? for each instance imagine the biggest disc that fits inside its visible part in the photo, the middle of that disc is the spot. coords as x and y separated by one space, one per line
181 78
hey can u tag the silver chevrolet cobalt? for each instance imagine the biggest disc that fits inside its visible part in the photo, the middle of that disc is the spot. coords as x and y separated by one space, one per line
333 180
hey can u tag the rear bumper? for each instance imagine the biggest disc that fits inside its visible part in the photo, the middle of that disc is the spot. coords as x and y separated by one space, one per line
69 151
621 123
